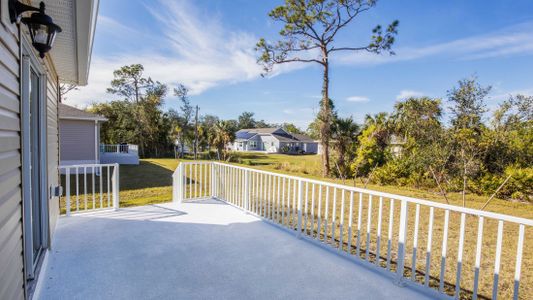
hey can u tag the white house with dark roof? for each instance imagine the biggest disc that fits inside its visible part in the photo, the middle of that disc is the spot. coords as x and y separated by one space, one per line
273 140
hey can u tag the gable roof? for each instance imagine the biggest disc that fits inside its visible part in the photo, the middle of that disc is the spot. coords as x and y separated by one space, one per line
279 133
71 113
260 130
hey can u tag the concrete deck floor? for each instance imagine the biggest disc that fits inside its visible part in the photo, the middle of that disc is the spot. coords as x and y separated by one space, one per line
201 250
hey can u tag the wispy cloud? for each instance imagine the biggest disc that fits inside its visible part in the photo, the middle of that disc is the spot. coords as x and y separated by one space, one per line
513 40
195 49
357 99
404 94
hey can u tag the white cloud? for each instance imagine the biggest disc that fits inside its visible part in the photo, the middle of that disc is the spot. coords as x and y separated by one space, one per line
357 99
513 40
196 50
404 94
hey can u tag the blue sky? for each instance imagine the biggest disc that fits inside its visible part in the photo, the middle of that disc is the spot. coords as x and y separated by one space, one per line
208 46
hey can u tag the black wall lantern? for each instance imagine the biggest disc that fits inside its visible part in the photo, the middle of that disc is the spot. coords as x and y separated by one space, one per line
42 28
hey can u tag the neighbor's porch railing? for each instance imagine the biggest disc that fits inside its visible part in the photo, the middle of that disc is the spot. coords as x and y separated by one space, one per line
89 187
375 228
119 148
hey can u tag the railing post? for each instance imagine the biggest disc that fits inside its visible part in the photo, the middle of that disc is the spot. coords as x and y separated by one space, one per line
181 183
67 183
402 235
176 188
246 190
213 181
115 183
300 200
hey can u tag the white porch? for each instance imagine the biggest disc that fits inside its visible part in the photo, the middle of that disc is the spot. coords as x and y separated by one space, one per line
198 250
124 154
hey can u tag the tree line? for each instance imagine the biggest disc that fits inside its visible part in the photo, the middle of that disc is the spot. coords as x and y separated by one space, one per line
139 118
475 151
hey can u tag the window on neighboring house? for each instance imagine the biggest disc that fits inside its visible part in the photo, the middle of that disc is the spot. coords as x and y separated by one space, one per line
253 144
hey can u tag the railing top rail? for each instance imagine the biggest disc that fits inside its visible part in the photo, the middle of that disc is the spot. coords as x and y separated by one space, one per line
86 165
458 209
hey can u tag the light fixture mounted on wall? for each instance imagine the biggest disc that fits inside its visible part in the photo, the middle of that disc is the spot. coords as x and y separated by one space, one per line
41 26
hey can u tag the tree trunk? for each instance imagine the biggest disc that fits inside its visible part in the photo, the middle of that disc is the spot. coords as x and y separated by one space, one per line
325 126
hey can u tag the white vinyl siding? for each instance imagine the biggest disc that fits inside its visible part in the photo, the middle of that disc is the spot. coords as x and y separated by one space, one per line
11 244
53 147
77 140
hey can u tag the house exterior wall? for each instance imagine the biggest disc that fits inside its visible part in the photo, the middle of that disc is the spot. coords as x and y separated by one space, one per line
269 143
52 142
11 241
12 278
311 147
254 144
77 142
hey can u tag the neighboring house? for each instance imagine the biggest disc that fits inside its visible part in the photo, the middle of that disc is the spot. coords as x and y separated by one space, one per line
29 132
273 140
79 136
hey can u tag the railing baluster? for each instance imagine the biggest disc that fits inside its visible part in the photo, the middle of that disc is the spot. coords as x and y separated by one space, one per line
518 265
428 248
190 182
200 178
368 228
101 188
269 207
283 203
294 203
341 222
497 260
326 218
67 183
319 213
85 186
289 214
278 215
389 235
196 180
92 183
415 243
350 221
443 255
299 207
305 206
359 220
77 190
460 255
312 233
333 216
479 244
378 242
108 192
402 236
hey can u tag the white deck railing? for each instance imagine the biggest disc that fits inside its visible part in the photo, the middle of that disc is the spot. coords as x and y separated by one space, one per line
89 187
376 228
119 148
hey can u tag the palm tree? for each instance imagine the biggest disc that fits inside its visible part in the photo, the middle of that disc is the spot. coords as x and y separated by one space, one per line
221 135
344 135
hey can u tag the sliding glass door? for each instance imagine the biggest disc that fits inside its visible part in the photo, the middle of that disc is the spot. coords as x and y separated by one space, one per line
36 198
34 183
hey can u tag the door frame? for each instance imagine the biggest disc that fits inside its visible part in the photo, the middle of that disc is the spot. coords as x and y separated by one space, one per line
28 62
